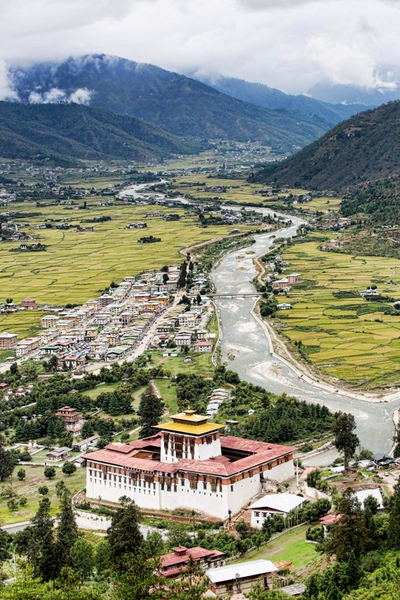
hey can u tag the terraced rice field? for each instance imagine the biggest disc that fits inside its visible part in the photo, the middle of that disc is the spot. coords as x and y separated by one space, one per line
77 265
347 337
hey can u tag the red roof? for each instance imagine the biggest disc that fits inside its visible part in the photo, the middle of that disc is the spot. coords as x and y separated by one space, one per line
259 453
330 519
172 563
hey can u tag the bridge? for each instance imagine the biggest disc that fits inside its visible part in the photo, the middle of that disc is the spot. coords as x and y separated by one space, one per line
248 295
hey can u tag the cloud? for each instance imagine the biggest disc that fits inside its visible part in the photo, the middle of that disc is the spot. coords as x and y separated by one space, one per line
289 44
6 88
81 96
54 95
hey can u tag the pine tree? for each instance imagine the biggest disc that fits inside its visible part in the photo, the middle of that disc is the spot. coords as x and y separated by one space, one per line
67 531
124 537
150 411
394 520
350 535
6 462
346 441
42 551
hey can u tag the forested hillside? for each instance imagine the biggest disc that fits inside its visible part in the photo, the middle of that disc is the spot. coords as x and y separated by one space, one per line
70 132
174 102
360 150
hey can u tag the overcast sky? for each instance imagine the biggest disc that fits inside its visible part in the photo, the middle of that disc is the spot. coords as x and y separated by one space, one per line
288 44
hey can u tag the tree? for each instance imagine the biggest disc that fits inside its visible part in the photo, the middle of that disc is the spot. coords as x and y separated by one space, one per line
138 578
82 558
155 544
43 490
192 583
102 557
394 520
150 411
21 474
68 468
42 552
346 441
6 461
124 537
178 535
67 530
87 429
49 472
350 534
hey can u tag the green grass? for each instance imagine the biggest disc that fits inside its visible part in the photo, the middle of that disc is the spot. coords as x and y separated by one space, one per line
168 392
28 488
348 338
101 389
201 364
289 547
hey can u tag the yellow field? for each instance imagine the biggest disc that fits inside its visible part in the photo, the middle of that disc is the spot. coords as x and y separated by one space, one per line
349 338
77 265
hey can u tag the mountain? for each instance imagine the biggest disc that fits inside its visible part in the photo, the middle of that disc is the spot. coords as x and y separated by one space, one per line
271 98
356 152
71 132
353 94
178 104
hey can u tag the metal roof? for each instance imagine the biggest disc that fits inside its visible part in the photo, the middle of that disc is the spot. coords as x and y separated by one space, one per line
241 570
282 502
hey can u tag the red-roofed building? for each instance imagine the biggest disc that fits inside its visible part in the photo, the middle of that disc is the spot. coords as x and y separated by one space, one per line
72 418
172 564
188 464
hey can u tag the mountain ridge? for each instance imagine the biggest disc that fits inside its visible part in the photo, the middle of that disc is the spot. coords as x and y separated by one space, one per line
363 149
176 103
72 132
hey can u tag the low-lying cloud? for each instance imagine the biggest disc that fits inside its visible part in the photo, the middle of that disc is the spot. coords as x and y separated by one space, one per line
55 95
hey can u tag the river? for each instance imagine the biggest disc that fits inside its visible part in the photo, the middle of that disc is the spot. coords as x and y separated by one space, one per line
246 347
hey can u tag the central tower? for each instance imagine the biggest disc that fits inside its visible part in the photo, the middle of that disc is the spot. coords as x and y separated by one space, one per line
189 436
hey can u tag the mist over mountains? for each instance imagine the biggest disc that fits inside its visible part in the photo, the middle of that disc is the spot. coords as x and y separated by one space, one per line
178 104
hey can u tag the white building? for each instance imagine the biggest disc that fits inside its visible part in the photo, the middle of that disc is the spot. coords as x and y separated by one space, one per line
239 578
364 494
188 464
273 504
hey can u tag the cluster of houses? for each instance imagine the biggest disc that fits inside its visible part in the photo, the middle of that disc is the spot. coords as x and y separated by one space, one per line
188 329
109 328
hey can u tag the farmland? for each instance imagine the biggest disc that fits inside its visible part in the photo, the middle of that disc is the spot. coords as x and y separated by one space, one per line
242 192
77 265
342 334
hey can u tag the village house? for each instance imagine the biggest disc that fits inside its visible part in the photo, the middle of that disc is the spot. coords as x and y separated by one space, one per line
57 454
49 321
72 418
239 578
104 300
8 340
189 465
183 339
28 303
293 278
273 504
171 564
281 284
204 346
26 346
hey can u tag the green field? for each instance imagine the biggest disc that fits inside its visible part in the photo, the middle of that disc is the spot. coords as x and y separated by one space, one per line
34 479
200 364
24 323
238 190
78 265
348 338
288 547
